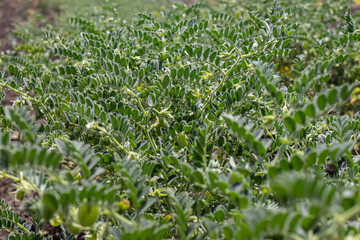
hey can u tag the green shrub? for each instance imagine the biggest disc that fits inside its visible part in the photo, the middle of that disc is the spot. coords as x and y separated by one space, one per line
209 122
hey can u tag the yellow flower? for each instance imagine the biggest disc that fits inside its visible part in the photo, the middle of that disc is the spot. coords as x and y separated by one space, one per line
357 2
139 87
196 93
206 74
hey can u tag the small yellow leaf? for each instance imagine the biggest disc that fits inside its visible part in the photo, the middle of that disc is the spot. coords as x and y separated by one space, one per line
196 93
206 74
317 4
353 100
167 218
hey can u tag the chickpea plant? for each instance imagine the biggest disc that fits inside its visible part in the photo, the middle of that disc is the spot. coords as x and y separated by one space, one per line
225 121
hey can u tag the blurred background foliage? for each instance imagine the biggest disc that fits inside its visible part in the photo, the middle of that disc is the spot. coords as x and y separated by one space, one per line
316 35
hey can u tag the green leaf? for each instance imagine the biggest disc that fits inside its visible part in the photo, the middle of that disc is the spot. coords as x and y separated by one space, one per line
193 74
311 159
103 117
173 73
310 110
274 31
166 81
5 138
206 53
259 148
11 69
189 50
290 124
50 206
300 117
114 122
321 102
297 162
212 56
332 96
199 149
344 92
322 156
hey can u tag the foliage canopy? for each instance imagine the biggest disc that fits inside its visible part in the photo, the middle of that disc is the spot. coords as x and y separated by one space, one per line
234 121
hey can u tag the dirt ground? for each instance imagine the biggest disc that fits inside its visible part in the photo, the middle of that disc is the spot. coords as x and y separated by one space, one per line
6 189
7 17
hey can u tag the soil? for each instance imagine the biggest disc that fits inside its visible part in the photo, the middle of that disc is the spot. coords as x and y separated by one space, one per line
6 189
7 17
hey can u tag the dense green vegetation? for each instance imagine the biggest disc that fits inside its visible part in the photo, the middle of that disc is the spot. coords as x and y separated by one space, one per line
222 121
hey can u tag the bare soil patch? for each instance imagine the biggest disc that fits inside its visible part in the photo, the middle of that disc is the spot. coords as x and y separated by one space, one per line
8 16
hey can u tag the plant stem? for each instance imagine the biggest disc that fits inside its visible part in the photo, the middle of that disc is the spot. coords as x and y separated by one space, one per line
230 70
340 219
220 84
103 130
121 218
197 206
146 114
5 175
29 186
17 224
24 95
